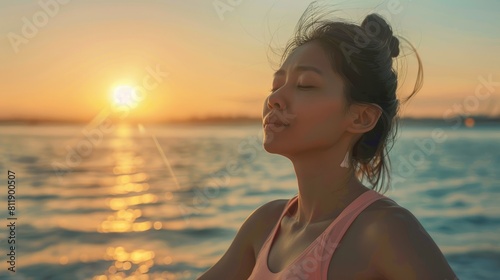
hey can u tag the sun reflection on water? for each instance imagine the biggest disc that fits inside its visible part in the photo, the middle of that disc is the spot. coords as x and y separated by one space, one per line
130 265
125 199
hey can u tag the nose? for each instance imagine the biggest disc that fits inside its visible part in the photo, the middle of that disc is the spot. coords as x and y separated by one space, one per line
274 101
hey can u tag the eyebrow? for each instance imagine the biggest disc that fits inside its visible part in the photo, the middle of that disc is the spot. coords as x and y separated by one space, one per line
300 68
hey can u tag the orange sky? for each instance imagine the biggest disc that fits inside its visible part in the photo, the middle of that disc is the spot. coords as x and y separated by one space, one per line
215 63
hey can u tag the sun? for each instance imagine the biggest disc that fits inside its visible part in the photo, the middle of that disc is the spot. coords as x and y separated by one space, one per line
125 96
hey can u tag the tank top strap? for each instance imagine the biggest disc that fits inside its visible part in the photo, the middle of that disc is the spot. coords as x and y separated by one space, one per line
275 228
331 237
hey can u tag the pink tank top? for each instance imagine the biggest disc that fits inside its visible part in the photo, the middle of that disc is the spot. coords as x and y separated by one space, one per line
314 261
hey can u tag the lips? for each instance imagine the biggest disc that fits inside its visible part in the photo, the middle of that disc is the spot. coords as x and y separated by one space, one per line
275 122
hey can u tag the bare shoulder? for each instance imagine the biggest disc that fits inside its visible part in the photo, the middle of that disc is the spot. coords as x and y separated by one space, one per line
265 216
387 217
403 247
263 220
274 208
386 210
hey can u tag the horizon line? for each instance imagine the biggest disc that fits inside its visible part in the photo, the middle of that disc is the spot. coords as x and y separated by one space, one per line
232 119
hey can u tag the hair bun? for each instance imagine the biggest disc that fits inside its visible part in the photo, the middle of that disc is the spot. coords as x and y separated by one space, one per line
375 25
394 46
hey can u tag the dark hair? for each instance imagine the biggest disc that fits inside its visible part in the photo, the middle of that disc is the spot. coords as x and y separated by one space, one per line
363 56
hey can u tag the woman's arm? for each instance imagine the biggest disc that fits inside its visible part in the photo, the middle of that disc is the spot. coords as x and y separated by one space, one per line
404 250
239 259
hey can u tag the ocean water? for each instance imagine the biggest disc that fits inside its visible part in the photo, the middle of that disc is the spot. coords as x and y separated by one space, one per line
164 202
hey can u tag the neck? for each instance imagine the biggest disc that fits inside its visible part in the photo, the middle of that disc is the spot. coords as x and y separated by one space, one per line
325 188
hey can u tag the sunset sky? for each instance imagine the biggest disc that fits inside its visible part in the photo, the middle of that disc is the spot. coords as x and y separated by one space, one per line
62 59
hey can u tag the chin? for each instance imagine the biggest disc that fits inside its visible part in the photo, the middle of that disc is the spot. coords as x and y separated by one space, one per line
275 146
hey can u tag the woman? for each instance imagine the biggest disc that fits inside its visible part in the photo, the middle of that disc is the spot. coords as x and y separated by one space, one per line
332 112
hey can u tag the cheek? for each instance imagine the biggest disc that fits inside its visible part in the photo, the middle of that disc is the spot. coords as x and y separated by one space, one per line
324 112
324 122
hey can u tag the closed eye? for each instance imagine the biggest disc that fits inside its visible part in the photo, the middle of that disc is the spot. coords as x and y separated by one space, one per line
305 87
299 86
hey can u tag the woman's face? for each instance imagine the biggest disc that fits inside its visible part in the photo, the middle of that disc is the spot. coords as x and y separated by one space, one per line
309 96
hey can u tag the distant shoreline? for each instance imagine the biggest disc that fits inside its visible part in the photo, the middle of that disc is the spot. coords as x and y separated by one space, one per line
477 120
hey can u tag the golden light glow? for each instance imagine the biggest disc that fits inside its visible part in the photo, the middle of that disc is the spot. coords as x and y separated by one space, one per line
125 96
63 260
139 261
469 122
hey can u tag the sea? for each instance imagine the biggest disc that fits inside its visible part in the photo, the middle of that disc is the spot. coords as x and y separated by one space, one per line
137 201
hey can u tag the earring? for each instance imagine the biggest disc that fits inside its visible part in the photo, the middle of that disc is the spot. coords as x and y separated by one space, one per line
345 162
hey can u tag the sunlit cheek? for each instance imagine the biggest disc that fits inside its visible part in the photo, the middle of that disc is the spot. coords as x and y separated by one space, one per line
319 124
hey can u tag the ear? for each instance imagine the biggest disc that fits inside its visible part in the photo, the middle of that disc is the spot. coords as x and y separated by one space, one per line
363 117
